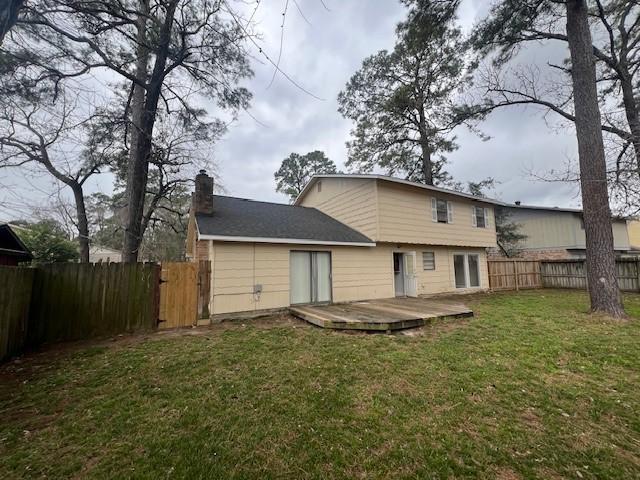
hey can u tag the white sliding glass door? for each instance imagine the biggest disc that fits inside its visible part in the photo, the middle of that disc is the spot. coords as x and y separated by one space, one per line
300 277
322 277
310 277
466 268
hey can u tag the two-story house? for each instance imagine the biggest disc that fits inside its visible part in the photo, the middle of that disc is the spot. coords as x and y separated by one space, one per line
558 233
346 238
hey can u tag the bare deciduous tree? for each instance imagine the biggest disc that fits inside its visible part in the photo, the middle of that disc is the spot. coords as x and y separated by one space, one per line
31 134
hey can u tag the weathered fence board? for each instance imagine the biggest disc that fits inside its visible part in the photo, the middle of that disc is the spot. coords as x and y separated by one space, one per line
78 301
15 298
514 274
179 294
573 274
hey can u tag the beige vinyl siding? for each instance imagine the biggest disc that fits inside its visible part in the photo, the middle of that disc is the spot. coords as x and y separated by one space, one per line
405 217
358 273
442 279
237 267
633 227
350 201
557 229
362 274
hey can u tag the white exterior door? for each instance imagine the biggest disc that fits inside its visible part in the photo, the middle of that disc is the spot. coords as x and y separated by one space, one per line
410 280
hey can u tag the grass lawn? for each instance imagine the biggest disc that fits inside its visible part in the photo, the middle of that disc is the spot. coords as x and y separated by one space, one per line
532 387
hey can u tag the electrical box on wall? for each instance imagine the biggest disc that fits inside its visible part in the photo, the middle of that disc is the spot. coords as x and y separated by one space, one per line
257 288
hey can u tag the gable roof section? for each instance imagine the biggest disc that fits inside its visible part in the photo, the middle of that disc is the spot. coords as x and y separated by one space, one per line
10 243
241 220
401 181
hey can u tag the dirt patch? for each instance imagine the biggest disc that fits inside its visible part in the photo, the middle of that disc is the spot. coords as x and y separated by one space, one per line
506 474
531 419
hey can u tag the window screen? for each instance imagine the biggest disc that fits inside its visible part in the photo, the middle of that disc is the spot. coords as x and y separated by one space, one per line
428 261
481 221
474 272
459 270
443 212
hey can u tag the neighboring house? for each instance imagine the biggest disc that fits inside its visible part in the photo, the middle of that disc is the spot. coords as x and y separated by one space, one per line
100 254
558 233
346 238
12 250
633 227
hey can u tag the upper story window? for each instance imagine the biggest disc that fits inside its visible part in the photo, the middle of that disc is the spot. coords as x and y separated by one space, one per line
480 217
319 186
441 211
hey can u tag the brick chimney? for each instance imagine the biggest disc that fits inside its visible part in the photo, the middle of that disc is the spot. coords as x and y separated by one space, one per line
203 197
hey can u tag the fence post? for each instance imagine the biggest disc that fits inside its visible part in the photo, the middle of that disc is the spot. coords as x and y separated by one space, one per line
638 271
515 274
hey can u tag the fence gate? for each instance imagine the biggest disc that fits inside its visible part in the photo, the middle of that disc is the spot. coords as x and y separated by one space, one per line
178 294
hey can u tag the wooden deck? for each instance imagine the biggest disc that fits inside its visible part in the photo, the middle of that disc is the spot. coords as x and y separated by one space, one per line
381 315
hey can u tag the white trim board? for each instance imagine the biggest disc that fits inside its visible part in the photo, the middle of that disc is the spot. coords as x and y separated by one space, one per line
224 238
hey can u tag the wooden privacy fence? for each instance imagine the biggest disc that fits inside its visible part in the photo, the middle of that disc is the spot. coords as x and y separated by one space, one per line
71 301
573 274
184 293
15 299
514 274
178 294
521 274
76 301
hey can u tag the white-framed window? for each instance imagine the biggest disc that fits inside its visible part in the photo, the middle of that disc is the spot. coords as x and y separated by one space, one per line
428 261
441 211
466 268
480 217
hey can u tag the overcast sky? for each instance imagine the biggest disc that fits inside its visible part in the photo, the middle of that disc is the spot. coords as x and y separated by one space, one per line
321 53
322 57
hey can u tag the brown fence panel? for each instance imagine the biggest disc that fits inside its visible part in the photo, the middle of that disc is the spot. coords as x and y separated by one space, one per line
15 298
76 301
573 274
514 274
178 294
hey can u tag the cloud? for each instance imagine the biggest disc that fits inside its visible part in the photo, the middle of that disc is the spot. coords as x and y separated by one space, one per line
323 56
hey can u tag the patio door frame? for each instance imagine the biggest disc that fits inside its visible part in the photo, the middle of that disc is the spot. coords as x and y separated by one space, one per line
465 264
313 272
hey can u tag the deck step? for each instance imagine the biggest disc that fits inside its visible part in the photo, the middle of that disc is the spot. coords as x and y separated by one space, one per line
379 315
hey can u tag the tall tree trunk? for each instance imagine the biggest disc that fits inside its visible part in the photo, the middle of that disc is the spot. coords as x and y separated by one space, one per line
427 166
601 267
135 171
8 15
83 223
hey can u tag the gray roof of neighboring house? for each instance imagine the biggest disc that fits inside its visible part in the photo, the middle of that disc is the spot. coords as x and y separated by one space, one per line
10 243
249 219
